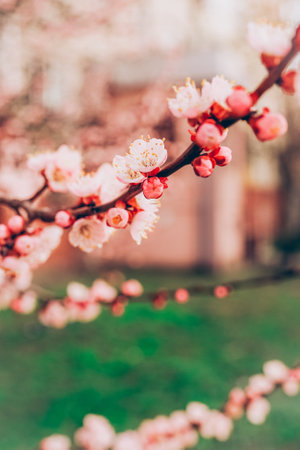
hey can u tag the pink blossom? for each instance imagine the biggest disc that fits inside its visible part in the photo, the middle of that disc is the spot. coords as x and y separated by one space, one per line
238 396
239 101
216 91
96 433
54 315
222 156
16 224
181 295
269 126
187 102
82 312
39 161
124 170
142 223
88 234
25 304
276 371
64 219
221 291
85 185
78 292
203 166
209 135
56 442
128 440
147 154
153 187
25 244
259 385
110 187
101 291
63 167
118 309
216 425
18 271
197 412
269 39
132 288
257 410
117 217
47 241
290 387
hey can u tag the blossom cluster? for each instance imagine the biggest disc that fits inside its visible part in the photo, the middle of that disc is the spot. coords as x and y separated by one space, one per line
22 251
62 171
83 304
182 429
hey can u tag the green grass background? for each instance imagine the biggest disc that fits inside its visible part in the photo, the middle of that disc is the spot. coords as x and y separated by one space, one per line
150 362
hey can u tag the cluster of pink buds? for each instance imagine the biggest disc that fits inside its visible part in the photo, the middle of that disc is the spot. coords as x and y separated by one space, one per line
83 304
182 428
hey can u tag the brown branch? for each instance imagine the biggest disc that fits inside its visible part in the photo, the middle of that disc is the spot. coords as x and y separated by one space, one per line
184 159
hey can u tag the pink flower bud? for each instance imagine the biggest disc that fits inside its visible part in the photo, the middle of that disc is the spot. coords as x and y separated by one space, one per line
290 387
239 102
287 81
16 224
269 125
209 135
117 218
132 288
203 166
237 396
118 309
4 232
153 187
56 442
222 156
25 244
221 291
64 219
181 295
159 301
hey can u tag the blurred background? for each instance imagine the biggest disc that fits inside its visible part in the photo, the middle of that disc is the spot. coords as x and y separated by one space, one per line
95 74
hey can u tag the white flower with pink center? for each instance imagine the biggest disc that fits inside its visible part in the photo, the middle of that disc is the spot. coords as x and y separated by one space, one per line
96 433
88 234
148 154
273 40
54 315
64 166
187 102
125 173
56 442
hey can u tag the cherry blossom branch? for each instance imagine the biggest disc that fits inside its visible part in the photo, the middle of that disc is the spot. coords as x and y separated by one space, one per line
184 159
182 428
84 304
